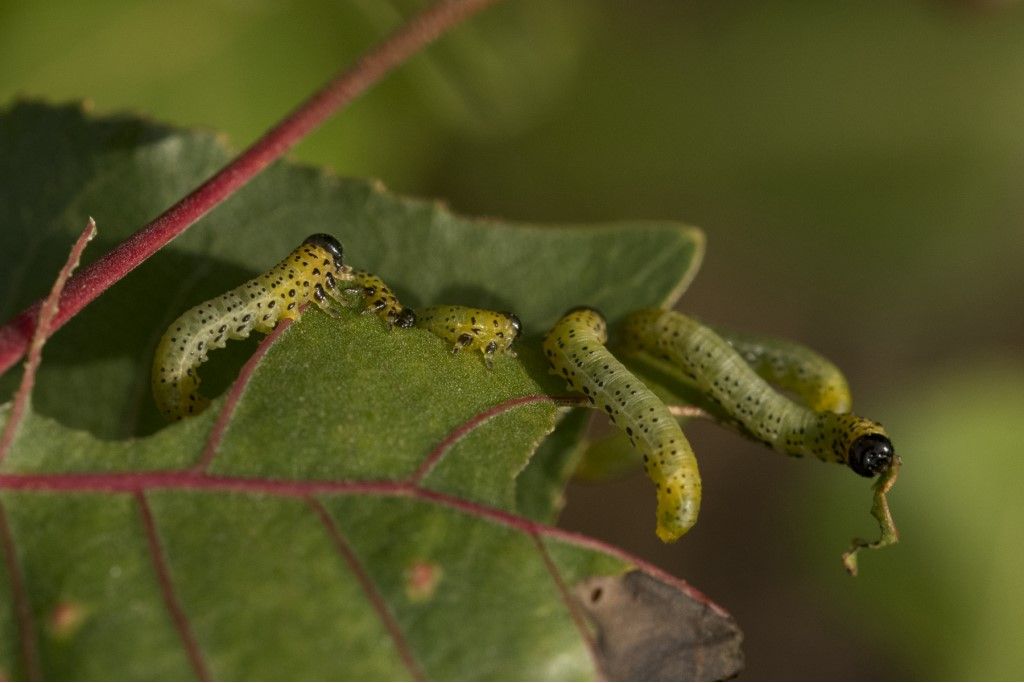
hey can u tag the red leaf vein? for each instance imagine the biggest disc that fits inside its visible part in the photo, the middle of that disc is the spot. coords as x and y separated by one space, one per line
570 602
467 427
234 395
22 608
369 588
156 552
113 482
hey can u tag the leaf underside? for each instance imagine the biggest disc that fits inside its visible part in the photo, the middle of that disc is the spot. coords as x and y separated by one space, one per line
358 502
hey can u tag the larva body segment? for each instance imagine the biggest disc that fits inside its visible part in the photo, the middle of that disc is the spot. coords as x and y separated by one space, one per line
791 366
378 298
489 332
717 370
575 349
310 273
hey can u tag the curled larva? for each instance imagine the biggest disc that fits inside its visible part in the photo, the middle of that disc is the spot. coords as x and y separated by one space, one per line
379 299
740 396
575 349
310 273
793 367
488 332
716 369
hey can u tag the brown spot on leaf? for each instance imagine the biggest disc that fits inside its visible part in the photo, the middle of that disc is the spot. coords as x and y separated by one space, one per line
421 580
65 619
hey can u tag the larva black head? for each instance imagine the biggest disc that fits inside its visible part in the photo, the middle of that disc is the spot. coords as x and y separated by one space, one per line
517 326
328 243
870 454
406 318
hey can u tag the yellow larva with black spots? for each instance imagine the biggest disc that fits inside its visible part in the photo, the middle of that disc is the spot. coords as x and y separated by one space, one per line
310 273
720 373
489 332
575 349
379 299
791 366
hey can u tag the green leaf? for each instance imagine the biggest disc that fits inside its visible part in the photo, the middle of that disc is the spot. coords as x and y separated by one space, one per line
350 508
60 166
267 551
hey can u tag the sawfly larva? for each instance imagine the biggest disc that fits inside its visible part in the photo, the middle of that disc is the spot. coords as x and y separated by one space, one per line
720 373
310 273
488 332
743 399
379 299
575 349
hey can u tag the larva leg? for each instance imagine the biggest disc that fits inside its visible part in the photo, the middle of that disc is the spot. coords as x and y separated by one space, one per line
488 352
462 342
309 273
489 332
326 297
334 305
794 367
575 350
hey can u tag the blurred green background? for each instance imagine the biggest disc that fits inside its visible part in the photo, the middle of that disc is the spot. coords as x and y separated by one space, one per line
857 167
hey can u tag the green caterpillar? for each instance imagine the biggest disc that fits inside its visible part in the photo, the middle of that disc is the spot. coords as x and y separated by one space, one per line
488 332
814 379
310 273
575 349
717 370
741 397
